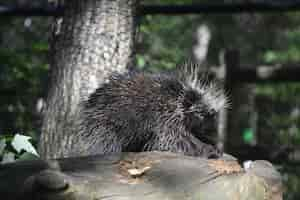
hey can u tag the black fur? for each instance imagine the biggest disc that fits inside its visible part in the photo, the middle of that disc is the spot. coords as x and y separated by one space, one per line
145 112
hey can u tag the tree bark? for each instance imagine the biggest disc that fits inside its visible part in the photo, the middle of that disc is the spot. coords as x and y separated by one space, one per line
146 175
94 39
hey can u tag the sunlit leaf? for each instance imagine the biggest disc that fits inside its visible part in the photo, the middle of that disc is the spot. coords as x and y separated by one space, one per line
8 157
21 142
2 145
248 135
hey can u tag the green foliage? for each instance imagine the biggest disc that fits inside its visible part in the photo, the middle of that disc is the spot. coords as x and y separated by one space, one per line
283 118
284 92
248 136
160 45
290 51
23 73
291 183
16 148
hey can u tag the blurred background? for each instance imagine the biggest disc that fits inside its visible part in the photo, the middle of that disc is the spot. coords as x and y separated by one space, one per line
264 122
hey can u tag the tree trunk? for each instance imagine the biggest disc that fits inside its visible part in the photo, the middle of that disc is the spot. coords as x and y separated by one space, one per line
92 40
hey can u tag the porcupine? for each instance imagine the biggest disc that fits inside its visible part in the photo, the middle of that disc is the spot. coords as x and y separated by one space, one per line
142 111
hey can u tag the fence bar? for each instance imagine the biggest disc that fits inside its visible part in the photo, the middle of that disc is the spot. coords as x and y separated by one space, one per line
220 8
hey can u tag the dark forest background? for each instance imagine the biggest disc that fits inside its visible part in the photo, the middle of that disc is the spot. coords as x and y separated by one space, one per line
271 119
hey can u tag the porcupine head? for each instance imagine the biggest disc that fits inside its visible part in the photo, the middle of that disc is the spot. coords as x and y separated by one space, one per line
203 100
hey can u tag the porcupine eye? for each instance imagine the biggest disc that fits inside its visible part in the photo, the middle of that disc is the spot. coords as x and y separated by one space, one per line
190 98
210 116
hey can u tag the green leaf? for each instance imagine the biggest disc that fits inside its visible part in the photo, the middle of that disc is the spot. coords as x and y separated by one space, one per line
140 61
21 142
2 145
270 56
40 46
8 157
248 135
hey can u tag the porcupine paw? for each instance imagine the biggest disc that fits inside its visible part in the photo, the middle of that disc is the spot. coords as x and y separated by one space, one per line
211 152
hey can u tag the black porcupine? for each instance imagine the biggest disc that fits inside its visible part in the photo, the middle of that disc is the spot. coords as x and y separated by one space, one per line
141 111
